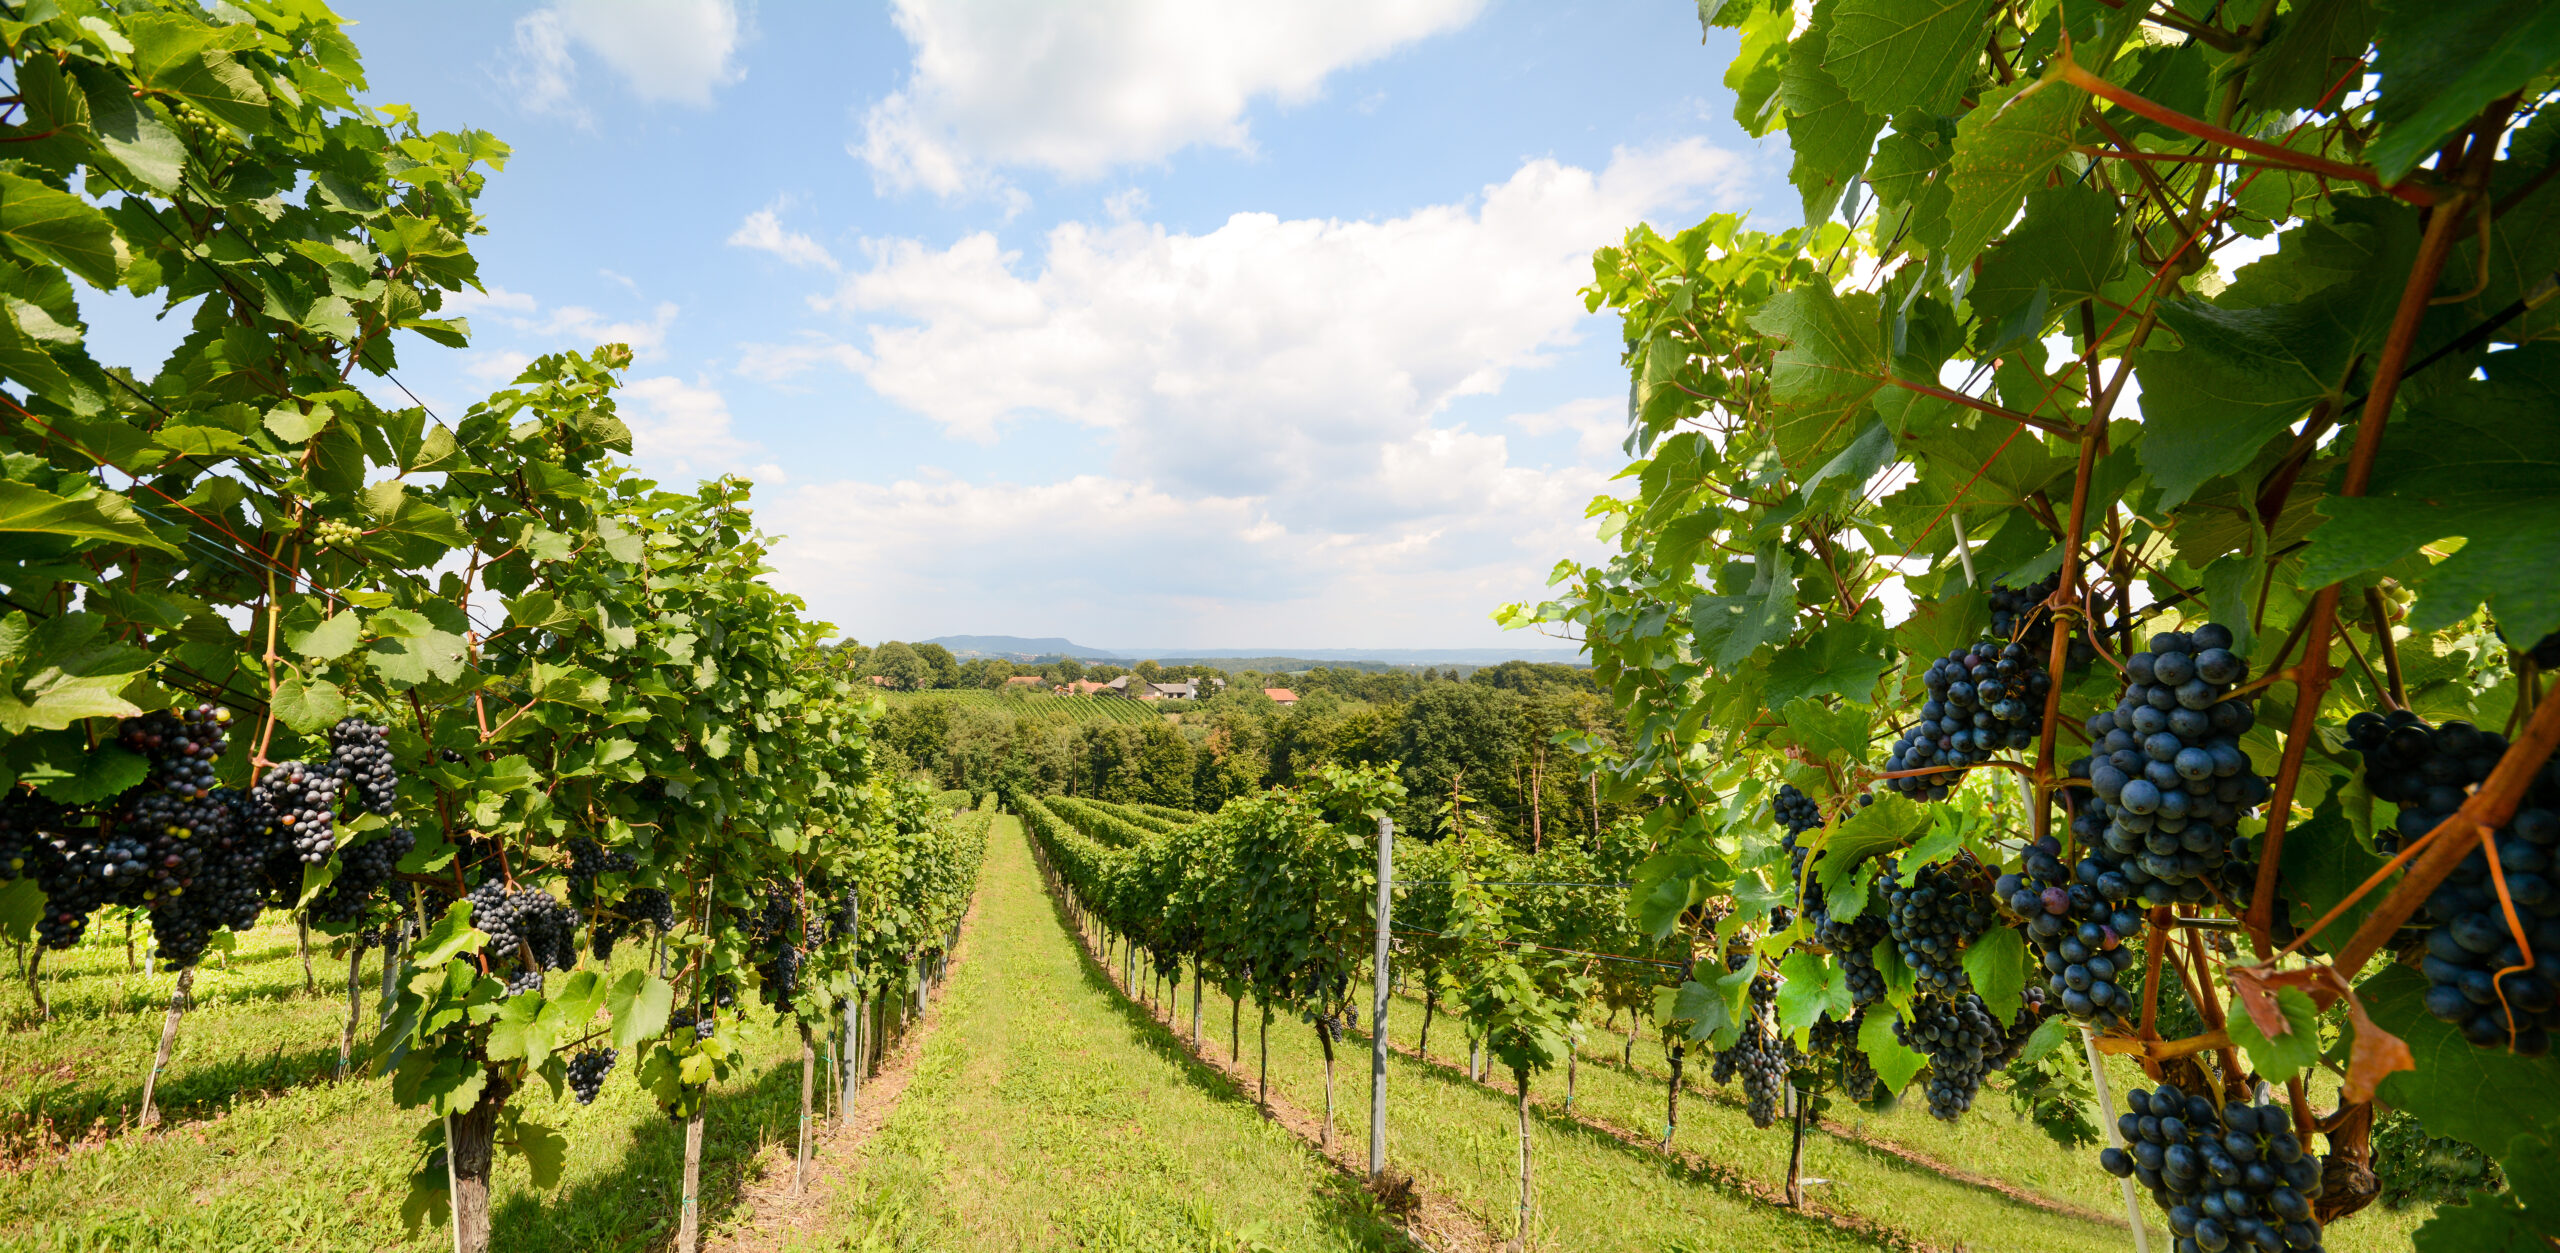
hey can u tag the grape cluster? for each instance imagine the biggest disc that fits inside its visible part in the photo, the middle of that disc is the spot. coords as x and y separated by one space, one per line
1763 1057
2478 975
301 800
2019 614
1983 700
638 906
2427 771
1794 810
526 920
1964 1045
2078 930
774 934
2229 1178
587 1071
1932 919
361 754
331 533
1853 945
362 869
2171 780
24 819
587 859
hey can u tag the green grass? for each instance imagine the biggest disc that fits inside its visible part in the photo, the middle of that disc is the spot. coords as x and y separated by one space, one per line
1046 1112
260 1151
1460 1139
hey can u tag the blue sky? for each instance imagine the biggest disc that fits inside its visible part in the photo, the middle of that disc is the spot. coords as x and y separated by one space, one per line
1149 324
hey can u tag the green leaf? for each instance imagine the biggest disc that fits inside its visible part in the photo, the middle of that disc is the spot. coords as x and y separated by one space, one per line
1810 988
21 904
2284 1056
640 1003
2323 861
2070 245
1893 55
191 59
293 425
309 705
1730 627
2443 61
1895 1062
42 224
1845 658
2485 1096
451 936
130 131
1827 734
413 650
2049 1035
63 670
1881 827
2476 462
104 772
1832 364
99 516
1828 131
1997 964
2004 148
328 639
2310 49
545 1152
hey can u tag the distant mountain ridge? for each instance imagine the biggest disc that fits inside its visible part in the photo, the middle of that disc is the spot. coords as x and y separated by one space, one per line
1025 648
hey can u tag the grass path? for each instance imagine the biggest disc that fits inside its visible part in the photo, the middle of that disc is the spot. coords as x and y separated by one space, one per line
1047 1112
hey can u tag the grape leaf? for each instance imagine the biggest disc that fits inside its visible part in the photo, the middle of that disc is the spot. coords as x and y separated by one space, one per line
2308 51
2283 1056
103 772
2442 61
1730 627
1997 964
1845 658
1808 989
1895 1062
640 1003
1829 133
2003 150
544 1150
2477 462
2069 245
1826 733
1892 55
1832 363
2485 1096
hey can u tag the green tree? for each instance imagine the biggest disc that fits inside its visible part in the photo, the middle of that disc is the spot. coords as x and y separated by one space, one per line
1461 736
900 665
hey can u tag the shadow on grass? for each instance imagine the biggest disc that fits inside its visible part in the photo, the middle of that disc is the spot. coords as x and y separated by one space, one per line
191 1093
633 1205
1345 1205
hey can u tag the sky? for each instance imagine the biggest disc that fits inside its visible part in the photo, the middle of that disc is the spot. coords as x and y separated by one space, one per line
1146 323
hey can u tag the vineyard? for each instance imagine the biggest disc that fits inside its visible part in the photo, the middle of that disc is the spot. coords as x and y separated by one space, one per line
2071 763
1059 709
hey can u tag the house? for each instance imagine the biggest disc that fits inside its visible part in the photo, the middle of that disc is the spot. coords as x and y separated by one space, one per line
1281 695
881 680
1087 687
1031 682
1188 689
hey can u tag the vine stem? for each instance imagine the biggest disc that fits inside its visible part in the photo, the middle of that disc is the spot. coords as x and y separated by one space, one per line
2079 76
2314 670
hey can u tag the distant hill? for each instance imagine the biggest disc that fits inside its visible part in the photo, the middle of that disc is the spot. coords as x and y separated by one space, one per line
1024 648
1018 648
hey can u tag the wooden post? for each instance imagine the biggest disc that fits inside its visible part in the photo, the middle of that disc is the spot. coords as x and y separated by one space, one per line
469 1144
689 1224
355 1005
808 1090
1795 1153
1381 978
168 1036
1520 1238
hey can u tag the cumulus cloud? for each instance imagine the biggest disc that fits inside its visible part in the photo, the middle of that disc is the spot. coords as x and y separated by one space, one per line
677 51
1277 395
1267 356
1080 88
764 232
781 363
682 430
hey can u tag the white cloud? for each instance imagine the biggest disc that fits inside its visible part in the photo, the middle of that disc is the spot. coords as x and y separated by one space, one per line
1266 357
1079 88
664 50
779 363
764 232
682 430
1278 394
496 299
